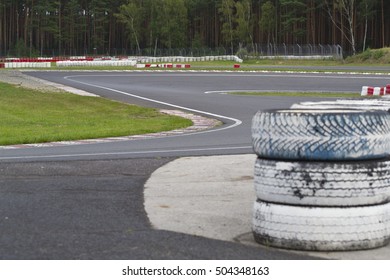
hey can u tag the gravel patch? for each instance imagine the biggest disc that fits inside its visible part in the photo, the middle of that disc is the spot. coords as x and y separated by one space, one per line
18 78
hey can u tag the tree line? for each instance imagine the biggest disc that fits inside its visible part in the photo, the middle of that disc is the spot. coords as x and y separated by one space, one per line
75 27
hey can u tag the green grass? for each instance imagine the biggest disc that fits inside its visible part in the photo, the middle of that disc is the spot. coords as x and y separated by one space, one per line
28 116
299 65
298 94
376 56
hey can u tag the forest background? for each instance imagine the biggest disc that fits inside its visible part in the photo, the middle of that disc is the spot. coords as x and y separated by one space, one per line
140 27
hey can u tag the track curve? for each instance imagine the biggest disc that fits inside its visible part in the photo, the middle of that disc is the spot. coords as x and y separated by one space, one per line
186 91
88 202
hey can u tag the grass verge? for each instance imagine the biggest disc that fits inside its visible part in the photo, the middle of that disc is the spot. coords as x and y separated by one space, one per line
28 116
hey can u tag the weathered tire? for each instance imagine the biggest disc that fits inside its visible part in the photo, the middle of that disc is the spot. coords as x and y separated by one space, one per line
375 104
321 229
353 183
321 134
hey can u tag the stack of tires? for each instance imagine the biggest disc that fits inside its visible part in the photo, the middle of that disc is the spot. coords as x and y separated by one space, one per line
322 179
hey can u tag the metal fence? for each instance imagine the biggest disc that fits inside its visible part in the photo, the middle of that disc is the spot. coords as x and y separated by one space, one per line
254 50
298 50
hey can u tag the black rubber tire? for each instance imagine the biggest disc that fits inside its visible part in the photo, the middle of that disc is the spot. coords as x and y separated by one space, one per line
326 135
323 183
321 228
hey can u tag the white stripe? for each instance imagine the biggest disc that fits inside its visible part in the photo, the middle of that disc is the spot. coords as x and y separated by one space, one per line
278 74
129 153
237 122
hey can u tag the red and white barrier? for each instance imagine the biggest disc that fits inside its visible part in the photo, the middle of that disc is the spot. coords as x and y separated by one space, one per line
181 65
367 91
112 61
187 59
378 91
375 91
169 65
387 90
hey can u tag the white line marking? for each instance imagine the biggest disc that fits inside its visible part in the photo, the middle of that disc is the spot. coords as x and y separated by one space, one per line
237 122
127 153
224 92
322 75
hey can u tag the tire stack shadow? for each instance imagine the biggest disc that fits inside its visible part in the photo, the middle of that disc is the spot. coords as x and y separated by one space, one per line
322 178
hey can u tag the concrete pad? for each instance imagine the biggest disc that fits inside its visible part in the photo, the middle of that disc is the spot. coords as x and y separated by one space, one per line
213 197
205 196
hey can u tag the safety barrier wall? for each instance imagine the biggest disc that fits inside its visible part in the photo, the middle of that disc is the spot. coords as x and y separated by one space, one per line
27 65
169 65
109 63
368 90
189 59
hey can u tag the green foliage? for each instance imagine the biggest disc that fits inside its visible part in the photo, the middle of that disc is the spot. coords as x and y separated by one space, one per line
381 56
294 17
268 20
227 17
378 54
173 23
244 21
131 15
242 53
20 49
164 21
98 26
197 42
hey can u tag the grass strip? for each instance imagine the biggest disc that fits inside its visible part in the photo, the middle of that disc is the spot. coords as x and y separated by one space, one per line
28 116
247 66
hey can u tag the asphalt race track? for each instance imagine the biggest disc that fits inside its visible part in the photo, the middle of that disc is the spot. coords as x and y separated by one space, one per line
195 92
86 201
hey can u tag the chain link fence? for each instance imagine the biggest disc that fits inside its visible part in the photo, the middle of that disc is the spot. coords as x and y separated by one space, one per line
253 51
297 50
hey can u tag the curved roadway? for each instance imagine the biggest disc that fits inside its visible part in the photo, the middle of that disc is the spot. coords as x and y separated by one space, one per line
87 201
198 92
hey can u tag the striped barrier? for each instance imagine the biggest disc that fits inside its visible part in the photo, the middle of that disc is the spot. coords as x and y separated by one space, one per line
378 91
375 91
14 62
169 65
150 60
367 91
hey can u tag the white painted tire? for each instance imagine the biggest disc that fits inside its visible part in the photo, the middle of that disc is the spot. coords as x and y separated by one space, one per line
326 135
353 183
321 229
370 104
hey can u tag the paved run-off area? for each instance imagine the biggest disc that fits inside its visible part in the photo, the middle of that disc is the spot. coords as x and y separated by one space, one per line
213 197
